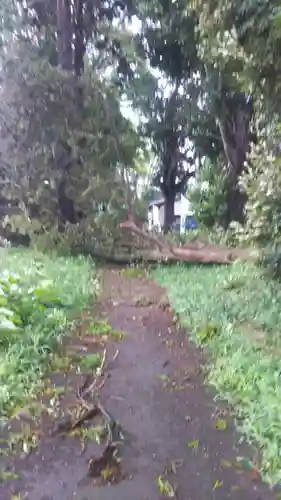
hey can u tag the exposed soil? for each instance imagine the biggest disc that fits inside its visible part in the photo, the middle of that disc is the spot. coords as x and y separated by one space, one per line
173 430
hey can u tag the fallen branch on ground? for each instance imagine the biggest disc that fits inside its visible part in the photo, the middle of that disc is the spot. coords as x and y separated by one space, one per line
193 252
90 407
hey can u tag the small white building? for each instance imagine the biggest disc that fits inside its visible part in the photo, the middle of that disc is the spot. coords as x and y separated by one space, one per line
182 210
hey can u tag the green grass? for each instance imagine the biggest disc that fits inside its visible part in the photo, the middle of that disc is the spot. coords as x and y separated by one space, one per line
235 312
91 362
23 357
134 272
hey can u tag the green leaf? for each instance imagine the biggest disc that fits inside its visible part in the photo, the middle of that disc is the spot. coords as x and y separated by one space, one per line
6 312
7 326
91 361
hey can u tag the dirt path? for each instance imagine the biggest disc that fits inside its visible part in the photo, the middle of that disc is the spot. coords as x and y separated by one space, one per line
170 422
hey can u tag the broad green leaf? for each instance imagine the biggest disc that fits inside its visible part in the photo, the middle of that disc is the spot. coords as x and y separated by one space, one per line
6 312
7 326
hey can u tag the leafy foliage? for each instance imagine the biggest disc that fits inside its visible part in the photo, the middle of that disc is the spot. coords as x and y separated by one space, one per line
68 155
168 43
62 162
262 183
205 112
239 44
244 36
195 72
19 306
208 196
41 293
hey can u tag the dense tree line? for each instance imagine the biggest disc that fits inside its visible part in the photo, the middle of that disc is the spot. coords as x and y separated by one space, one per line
202 76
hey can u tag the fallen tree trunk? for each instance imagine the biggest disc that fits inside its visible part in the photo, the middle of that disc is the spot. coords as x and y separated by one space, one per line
193 252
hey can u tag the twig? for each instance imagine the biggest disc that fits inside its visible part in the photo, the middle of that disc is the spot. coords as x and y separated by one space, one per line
100 370
91 410
68 425
99 387
115 355
118 398
90 389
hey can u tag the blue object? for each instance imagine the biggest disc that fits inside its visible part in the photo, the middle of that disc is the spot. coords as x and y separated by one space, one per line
190 223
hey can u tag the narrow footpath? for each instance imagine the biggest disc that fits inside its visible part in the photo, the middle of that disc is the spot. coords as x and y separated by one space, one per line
178 442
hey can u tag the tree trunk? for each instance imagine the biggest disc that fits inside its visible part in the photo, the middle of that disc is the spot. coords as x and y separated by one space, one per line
162 250
65 30
79 43
235 206
66 206
169 212
234 124
64 34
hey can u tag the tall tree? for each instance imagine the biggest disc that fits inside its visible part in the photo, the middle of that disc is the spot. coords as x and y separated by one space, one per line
246 35
218 111
233 110
62 154
164 98
167 128
65 24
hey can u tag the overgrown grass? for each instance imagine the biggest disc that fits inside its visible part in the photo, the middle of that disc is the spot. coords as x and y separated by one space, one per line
235 312
23 356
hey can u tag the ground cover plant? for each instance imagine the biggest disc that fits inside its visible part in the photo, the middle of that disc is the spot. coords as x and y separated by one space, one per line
39 297
235 313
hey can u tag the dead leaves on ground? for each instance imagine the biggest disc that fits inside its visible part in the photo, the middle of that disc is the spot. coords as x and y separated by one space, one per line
165 488
221 425
107 466
164 484
72 413
8 475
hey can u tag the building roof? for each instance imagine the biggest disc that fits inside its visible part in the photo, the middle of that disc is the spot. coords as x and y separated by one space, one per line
161 201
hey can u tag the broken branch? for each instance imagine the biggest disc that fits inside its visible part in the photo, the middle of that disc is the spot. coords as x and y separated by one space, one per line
194 252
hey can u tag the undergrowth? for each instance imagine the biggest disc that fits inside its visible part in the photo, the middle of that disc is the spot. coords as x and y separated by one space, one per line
134 272
235 312
39 297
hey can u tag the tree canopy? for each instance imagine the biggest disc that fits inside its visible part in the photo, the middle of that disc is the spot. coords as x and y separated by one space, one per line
202 79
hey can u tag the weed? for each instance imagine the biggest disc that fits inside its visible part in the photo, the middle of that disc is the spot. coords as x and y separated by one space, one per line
165 488
7 475
207 332
235 312
97 434
24 441
100 328
104 330
134 272
91 362
221 425
217 485
193 444
61 363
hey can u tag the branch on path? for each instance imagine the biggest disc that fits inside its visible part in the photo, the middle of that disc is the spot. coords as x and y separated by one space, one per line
193 252
90 407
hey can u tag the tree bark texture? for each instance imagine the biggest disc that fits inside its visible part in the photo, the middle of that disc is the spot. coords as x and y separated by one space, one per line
169 212
234 121
65 35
